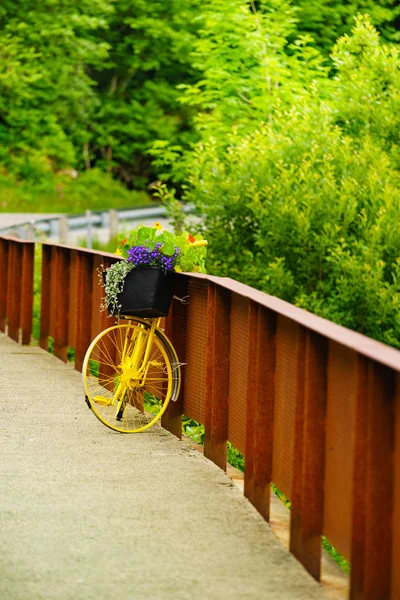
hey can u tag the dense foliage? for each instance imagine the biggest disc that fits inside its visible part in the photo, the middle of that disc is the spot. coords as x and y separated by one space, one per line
47 105
286 139
298 181
46 95
327 20
137 86
93 83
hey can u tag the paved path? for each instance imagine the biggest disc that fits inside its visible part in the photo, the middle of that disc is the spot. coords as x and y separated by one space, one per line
89 514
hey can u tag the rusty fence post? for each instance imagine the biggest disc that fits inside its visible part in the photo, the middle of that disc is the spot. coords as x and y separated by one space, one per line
175 330
260 407
306 523
14 291
218 346
4 250
395 583
373 475
84 270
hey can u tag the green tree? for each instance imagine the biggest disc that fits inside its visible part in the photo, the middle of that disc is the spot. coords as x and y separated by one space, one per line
305 203
327 20
96 84
245 74
149 57
46 95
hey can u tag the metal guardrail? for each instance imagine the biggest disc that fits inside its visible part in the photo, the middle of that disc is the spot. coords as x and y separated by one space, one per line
51 226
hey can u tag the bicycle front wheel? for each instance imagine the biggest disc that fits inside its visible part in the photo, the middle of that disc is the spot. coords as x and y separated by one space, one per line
124 394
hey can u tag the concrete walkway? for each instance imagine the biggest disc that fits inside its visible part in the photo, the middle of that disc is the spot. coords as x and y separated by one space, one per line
89 514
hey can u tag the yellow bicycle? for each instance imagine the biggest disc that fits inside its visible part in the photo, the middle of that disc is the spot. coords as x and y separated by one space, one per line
131 373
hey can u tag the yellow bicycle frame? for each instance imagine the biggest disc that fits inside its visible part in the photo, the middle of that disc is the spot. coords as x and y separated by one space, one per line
129 362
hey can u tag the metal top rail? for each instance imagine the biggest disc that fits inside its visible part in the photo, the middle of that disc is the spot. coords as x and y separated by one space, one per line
382 353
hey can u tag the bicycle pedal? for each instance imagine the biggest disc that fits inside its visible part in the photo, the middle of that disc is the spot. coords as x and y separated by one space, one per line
87 402
102 400
155 363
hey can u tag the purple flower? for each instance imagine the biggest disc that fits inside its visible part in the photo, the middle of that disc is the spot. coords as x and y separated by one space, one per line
144 256
139 255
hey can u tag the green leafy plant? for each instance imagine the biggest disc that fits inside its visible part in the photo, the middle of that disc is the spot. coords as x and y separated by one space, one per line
299 190
114 284
193 429
234 457
155 246
175 214
90 84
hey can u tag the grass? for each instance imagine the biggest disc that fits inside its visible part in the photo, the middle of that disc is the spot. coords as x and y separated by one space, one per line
37 282
92 190
109 246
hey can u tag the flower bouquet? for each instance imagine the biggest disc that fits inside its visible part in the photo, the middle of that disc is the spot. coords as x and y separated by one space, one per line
141 283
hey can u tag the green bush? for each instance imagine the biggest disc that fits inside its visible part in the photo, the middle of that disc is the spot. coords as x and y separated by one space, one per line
93 83
92 189
326 20
313 223
306 204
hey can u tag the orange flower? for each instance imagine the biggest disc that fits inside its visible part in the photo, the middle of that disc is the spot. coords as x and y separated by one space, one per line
190 238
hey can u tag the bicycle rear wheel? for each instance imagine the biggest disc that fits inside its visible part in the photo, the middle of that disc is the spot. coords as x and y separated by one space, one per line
122 397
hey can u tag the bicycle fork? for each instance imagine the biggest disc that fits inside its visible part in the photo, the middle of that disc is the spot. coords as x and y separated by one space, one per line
141 355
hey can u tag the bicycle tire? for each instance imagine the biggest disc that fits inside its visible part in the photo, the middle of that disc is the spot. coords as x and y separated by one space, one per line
105 374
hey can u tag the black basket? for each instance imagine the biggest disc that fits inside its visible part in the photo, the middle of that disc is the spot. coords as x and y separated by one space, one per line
147 292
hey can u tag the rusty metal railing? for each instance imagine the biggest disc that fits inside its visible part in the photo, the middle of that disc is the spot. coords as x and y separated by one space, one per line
16 288
314 407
